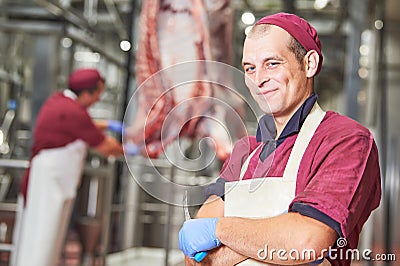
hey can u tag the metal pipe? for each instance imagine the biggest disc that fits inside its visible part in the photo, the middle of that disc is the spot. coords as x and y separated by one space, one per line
61 11
32 27
5 131
372 88
118 24
383 116
288 6
7 123
90 11
130 59
167 227
10 163
352 82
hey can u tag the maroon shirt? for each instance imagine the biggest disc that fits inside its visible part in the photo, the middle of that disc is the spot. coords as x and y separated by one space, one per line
61 120
339 174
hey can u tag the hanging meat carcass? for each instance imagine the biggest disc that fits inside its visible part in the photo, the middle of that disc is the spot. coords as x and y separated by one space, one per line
173 32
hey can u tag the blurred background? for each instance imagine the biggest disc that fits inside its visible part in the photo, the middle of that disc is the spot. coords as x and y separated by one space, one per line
115 221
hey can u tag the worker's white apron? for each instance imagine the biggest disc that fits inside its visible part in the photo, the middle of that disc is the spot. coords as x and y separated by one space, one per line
53 180
268 197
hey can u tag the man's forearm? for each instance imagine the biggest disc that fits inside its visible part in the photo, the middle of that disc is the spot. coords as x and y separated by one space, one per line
249 236
101 124
244 238
213 207
223 256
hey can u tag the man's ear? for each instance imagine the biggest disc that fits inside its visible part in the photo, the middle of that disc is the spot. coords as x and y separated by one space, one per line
84 93
311 60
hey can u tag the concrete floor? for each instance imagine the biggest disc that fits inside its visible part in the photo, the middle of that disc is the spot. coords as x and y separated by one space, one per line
72 256
146 257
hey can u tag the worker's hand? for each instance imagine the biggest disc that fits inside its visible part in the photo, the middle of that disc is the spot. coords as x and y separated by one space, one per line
197 235
131 149
115 126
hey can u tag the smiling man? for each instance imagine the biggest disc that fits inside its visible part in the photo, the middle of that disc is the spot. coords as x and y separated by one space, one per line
319 170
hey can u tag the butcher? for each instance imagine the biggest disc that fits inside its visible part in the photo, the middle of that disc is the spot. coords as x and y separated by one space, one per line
63 132
308 180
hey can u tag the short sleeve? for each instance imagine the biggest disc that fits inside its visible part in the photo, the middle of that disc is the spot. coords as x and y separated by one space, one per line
344 182
83 127
231 168
217 188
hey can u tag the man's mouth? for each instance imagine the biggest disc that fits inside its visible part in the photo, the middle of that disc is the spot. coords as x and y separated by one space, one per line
266 92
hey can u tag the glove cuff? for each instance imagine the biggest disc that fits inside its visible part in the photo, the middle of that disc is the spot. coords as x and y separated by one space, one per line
217 241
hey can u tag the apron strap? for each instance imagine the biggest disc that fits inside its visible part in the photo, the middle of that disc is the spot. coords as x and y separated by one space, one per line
305 135
245 165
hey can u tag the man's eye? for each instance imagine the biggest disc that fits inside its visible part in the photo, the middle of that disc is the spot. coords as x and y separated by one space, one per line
272 64
249 69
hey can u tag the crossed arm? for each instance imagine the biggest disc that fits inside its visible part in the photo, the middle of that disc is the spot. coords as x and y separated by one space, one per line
242 238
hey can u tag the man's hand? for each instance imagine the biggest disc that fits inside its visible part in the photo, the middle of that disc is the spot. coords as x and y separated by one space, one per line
197 235
131 149
115 126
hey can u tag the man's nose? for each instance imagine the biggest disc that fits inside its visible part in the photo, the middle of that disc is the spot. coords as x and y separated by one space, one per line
261 77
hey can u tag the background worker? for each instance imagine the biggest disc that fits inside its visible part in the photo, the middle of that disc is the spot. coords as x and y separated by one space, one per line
62 132
319 185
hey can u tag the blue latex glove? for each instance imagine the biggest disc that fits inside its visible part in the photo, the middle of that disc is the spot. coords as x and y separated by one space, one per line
115 126
197 235
131 149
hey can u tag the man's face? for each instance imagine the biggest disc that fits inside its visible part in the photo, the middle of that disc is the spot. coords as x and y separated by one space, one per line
275 78
97 94
87 98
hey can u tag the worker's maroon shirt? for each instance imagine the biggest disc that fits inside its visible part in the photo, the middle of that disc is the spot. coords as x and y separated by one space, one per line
61 120
339 174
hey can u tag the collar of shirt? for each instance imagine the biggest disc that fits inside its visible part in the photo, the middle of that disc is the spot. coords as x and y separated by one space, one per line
70 94
266 130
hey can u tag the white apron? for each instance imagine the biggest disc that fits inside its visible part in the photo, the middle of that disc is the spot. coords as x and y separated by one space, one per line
268 197
54 177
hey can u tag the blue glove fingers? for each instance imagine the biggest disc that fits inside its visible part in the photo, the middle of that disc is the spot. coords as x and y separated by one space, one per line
131 149
115 126
198 235
181 242
200 256
186 248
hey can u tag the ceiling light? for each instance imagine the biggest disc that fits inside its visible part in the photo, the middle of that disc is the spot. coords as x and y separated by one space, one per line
247 29
248 18
66 42
125 45
84 56
320 4
378 24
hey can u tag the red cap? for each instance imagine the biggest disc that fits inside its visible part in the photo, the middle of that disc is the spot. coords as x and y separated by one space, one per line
299 28
84 78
